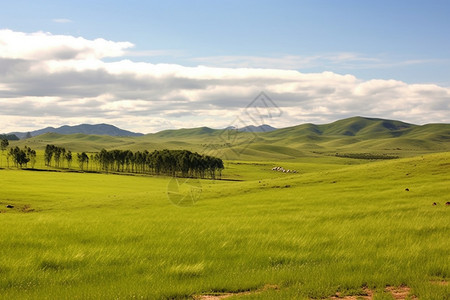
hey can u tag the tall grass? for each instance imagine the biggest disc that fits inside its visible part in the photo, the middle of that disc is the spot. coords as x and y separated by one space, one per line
326 230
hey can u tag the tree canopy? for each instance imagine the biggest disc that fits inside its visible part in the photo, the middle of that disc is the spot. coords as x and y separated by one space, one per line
21 157
180 163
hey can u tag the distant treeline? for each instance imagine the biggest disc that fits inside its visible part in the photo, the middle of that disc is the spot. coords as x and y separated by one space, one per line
10 137
182 163
366 156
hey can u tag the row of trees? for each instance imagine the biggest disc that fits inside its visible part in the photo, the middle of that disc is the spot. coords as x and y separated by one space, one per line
58 155
182 163
21 157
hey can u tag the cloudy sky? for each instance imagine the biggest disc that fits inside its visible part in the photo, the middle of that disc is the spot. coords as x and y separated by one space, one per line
152 65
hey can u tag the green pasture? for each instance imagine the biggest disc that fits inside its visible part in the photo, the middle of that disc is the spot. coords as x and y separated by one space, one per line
352 135
339 225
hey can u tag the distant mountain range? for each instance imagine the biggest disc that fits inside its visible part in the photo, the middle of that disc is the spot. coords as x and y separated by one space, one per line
343 131
346 131
106 129
351 135
97 129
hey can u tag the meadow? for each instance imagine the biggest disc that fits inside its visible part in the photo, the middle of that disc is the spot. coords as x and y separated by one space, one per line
348 225
338 226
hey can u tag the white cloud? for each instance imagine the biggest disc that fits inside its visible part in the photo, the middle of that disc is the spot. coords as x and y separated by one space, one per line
45 46
51 80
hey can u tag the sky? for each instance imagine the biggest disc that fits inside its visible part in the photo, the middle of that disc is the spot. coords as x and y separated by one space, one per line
147 66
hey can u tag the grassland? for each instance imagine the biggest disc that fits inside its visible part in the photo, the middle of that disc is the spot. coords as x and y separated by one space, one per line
339 225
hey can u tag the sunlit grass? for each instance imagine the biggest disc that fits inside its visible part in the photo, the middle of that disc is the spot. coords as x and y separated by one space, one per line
331 228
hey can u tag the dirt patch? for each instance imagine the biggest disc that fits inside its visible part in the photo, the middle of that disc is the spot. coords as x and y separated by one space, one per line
218 296
400 292
368 295
397 292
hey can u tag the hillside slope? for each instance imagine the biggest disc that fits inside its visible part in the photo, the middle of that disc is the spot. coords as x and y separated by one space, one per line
352 135
99 129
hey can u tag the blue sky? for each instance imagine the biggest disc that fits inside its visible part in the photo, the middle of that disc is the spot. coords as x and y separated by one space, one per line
405 41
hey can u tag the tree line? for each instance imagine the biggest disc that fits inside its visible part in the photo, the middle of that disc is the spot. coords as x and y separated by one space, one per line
10 137
59 155
21 157
181 163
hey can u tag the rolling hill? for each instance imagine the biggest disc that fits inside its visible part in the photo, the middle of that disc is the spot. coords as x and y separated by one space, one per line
352 135
98 129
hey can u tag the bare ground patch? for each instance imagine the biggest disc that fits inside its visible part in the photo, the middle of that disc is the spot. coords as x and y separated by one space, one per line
397 292
401 292
219 296
368 294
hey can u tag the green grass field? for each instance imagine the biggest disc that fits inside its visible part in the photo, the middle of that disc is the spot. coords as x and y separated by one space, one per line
340 225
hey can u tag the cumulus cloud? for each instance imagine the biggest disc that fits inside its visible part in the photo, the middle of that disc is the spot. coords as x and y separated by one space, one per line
51 80
45 46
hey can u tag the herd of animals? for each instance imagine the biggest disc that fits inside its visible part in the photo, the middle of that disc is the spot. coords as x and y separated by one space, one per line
281 169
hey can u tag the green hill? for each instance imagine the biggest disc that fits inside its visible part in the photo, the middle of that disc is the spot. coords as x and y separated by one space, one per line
356 126
352 135
184 132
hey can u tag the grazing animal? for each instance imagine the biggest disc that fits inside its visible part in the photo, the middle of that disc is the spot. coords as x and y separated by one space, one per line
9 206
407 189
447 203
281 169
434 204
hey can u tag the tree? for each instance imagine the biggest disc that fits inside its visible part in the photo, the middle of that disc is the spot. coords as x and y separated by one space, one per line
3 145
58 154
92 159
82 160
19 157
68 157
31 156
48 154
